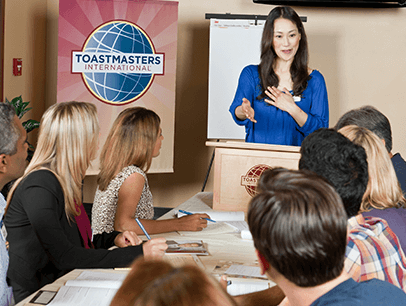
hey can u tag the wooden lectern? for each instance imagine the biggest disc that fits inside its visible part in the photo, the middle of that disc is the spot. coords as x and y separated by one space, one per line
237 167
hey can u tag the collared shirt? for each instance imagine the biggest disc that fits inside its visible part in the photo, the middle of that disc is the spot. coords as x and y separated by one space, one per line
374 251
5 291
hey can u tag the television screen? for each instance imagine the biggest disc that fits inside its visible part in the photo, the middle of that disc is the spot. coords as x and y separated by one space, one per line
337 3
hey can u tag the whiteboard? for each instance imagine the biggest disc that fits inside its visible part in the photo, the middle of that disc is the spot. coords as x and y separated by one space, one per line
234 44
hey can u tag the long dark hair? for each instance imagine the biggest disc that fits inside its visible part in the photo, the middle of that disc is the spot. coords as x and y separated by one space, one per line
299 69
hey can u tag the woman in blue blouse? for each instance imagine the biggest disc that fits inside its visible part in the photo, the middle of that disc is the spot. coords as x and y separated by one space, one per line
281 100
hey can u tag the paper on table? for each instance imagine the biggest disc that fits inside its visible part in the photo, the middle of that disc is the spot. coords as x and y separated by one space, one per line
80 296
212 228
177 260
238 287
218 215
89 288
238 225
247 271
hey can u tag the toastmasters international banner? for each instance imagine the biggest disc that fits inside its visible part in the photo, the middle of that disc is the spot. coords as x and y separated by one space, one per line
119 54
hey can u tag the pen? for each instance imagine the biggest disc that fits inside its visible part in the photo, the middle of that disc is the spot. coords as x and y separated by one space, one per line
189 213
143 229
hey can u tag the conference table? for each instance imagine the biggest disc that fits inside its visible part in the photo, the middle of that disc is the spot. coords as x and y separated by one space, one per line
223 248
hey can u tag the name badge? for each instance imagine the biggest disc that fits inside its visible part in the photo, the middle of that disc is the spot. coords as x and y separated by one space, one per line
297 98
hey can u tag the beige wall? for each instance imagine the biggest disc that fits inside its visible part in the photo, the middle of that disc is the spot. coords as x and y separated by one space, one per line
25 32
359 51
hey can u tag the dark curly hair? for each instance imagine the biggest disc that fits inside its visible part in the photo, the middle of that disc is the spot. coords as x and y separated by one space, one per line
340 161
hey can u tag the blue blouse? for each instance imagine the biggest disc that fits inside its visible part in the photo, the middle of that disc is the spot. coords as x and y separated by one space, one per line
275 126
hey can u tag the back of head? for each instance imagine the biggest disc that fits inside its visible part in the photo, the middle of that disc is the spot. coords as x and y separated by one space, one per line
370 118
299 226
9 133
340 161
157 283
67 140
132 137
383 190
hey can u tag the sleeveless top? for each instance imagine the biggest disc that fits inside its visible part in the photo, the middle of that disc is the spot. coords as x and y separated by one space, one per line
105 202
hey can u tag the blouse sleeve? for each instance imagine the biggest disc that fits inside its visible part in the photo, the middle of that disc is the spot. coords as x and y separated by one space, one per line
245 89
45 212
318 115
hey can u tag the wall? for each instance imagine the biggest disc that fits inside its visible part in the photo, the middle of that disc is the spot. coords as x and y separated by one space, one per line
359 51
25 33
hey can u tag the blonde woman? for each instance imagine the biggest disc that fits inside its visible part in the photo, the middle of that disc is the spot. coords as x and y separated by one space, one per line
157 283
383 197
48 229
123 192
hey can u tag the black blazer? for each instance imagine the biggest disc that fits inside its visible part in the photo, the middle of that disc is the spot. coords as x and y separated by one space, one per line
43 244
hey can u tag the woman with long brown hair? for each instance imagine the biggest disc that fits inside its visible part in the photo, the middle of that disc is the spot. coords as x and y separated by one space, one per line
281 100
123 193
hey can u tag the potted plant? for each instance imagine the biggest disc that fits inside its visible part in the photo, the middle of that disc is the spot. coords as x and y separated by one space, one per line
21 109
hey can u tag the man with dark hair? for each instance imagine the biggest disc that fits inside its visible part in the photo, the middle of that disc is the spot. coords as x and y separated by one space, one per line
299 227
373 250
13 154
372 119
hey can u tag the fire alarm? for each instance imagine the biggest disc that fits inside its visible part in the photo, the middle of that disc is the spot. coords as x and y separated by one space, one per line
17 66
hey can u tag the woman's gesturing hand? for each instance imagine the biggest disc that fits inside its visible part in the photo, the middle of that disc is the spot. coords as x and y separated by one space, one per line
247 110
280 99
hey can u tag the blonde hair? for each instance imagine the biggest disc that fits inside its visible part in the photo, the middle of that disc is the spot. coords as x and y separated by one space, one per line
131 141
383 189
68 136
157 283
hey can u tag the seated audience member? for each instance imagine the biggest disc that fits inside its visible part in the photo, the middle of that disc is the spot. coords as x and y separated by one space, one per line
373 250
370 118
383 195
49 232
299 227
13 152
123 193
157 283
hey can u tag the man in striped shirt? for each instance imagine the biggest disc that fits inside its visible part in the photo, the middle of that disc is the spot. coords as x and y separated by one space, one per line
373 250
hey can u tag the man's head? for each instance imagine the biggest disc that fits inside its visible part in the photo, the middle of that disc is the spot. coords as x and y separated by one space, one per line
299 226
370 118
13 145
340 161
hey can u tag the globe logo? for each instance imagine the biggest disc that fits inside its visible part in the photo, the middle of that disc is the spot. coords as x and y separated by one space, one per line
118 62
250 180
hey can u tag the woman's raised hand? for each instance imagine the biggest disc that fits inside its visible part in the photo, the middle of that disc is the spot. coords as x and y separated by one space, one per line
280 99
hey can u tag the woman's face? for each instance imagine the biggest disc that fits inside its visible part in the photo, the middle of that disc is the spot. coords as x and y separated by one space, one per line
286 39
158 144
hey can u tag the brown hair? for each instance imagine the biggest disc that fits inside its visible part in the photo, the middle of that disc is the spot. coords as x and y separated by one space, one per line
383 189
299 68
157 283
299 225
131 141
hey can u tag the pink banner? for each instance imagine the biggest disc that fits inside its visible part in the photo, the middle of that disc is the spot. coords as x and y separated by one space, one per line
118 54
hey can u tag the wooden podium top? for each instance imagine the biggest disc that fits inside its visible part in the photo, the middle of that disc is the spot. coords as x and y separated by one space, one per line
252 146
